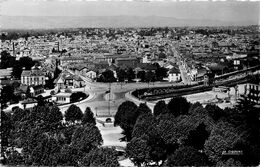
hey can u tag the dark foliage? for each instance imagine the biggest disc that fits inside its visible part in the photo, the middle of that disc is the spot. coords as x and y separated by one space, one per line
197 137
88 117
73 114
141 75
6 126
138 151
86 138
121 75
143 109
215 112
179 106
161 73
126 117
105 157
77 96
130 74
187 156
160 108
107 76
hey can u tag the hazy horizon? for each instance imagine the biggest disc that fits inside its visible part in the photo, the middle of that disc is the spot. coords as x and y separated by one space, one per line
233 12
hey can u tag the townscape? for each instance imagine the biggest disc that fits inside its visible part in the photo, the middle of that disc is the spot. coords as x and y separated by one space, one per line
110 97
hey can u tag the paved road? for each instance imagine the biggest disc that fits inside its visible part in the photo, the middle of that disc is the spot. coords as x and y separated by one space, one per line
184 75
100 104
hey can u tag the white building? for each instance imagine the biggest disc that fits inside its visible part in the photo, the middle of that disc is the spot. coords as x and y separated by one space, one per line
62 97
174 75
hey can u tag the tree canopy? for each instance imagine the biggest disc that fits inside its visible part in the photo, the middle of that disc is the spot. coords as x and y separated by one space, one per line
178 106
73 114
126 117
88 117
105 157
86 138
160 108
187 156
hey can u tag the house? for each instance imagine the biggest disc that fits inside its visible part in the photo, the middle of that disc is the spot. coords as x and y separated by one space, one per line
59 82
101 65
90 74
146 59
62 97
68 81
22 90
252 92
147 67
78 82
6 73
36 90
33 77
174 75
127 62
71 59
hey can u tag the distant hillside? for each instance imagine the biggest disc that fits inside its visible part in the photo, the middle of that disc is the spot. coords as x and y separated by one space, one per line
34 22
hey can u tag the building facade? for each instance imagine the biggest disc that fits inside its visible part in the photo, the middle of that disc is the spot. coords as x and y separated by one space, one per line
33 77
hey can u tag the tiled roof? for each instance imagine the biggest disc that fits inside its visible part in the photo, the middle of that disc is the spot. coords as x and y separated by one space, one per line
26 73
174 70
37 73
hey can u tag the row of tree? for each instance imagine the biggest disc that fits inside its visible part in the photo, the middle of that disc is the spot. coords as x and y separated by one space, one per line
129 75
43 137
174 134
184 134
8 61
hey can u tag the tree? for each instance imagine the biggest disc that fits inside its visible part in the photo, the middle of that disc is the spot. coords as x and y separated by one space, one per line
194 106
215 112
138 151
245 117
76 96
7 95
130 74
149 76
67 132
69 156
126 117
160 73
121 75
18 115
197 137
160 108
6 60
26 62
46 151
178 106
143 109
142 125
53 118
141 75
147 125
222 138
187 156
13 157
88 117
107 76
73 114
105 157
6 126
86 138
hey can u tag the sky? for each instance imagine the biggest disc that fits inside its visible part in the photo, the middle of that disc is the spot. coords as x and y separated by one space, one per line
225 11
